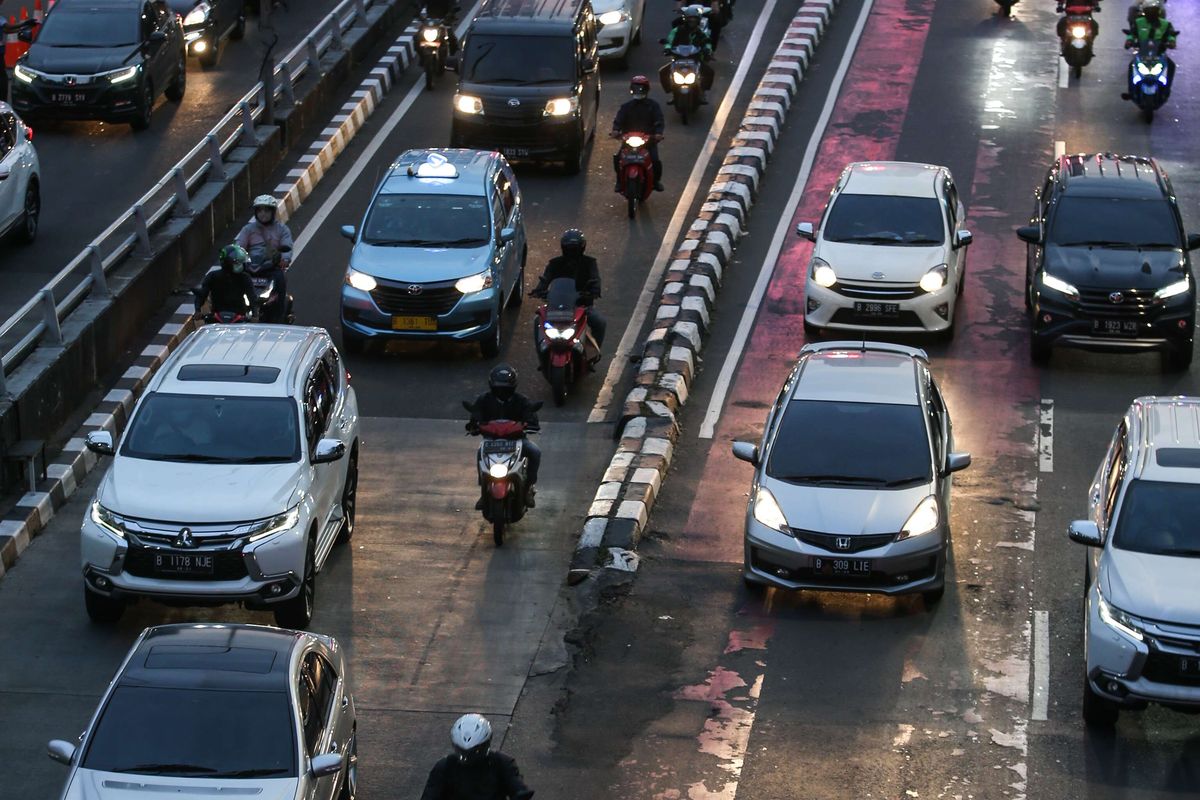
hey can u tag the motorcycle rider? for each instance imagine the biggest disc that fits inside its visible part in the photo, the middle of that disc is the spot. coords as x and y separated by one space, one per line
447 12
1077 8
586 274
689 32
503 401
230 286
1152 26
474 771
643 115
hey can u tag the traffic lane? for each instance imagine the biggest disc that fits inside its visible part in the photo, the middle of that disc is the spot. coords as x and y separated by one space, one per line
624 248
93 171
436 620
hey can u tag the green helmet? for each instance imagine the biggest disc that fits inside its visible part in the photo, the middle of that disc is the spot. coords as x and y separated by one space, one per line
233 257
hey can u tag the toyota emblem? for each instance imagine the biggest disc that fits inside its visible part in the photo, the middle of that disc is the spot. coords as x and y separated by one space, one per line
878 276
513 102
184 539
842 542
1116 298
415 288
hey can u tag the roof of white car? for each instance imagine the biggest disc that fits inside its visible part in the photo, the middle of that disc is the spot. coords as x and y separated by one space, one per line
858 376
265 355
896 178
1170 437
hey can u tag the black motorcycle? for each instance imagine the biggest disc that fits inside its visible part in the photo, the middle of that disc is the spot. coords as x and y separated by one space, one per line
265 268
686 79
1078 36
1006 7
1150 77
433 46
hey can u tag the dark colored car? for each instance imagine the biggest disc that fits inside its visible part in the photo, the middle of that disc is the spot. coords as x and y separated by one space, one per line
1107 266
106 60
207 23
529 84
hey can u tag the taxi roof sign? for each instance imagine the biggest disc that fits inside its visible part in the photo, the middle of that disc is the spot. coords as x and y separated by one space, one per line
435 165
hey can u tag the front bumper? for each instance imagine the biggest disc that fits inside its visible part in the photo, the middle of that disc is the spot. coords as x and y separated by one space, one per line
614 41
107 102
471 318
200 37
1060 322
547 139
927 312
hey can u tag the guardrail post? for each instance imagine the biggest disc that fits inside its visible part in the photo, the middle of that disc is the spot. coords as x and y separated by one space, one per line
248 137
337 42
99 279
314 55
50 318
3 384
360 12
142 228
286 90
183 203
216 164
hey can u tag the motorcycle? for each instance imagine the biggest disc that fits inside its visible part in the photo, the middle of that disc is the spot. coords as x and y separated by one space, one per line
1006 7
635 170
685 80
224 317
1150 78
1078 36
565 347
502 471
433 47
262 269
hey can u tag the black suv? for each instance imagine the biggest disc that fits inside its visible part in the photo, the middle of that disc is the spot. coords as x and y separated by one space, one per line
102 59
528 82
1107 265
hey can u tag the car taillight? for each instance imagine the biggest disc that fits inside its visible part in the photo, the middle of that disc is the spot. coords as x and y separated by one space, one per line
28 134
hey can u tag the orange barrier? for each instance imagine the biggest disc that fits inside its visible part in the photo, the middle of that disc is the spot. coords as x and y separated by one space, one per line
10 44
14 48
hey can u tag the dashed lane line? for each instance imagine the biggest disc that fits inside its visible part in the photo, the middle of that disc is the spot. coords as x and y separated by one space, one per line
1041 665
1046 436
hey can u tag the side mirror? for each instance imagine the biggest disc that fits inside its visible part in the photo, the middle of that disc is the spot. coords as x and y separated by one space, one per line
957 461
100 443
328 450
806 230
744 451
348 232
4 174
1085 532
25 35
507 235
963 238
60 751
1193 241
325 765
1030 233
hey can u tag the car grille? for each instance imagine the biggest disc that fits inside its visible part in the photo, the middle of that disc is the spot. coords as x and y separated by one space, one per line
433 299
878 291
1135 303
497 110
228 565
828 541
1164 668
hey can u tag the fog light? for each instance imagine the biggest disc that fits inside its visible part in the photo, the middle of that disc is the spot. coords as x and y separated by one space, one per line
942 310
813 304
276 588
200 46
103 582
1046 318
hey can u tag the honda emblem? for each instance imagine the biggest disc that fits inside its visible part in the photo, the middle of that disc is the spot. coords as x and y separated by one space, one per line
842 542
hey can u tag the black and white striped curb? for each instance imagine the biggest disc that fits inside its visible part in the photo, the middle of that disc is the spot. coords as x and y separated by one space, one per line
631 484
66 473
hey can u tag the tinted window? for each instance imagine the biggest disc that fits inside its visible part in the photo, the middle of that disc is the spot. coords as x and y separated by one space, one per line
869 444
428 220
516 60
98 27
1160 518
1109 221
884 219
222 430
194 733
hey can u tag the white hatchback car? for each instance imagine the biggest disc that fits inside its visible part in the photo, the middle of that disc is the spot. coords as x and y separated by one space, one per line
20 177
890 252
621 28
235 477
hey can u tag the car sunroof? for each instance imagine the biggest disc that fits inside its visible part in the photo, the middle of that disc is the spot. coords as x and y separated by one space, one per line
207 657
1187 458
228 373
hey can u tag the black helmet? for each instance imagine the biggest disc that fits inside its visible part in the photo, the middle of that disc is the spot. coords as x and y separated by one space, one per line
233 257
502 380
573 242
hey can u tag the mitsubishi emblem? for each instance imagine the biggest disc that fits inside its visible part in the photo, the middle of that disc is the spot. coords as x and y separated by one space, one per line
1116 298
184 539
414 288
842 542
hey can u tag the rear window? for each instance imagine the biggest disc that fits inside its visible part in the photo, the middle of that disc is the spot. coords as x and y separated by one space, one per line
1159 518
885 220
1113 222
510 60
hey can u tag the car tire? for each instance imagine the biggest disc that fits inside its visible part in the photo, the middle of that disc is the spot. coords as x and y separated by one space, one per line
812 331
145 109
518 293
350 770
210 57
755 588
178 87
32 211
1039 351
349 498
490 346
573 159
1179 358
297 612
102 610
934 596
239 30
1099 713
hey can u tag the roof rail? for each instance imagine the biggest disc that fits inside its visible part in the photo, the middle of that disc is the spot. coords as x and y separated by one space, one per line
863 345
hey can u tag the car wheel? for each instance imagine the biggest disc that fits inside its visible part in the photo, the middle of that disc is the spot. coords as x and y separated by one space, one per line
144 110
518 292
349 498
1098 712
297 612
573 160
102 610
239 30
211 55
934 596
755 588
637 35
350 771
1039 351
490 347
811 331
33 209
178 86
1179 358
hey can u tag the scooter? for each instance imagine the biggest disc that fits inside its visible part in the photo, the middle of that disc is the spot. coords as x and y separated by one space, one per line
262 269
502 471
686 90
1078 35
1149 78
224 317
635 170
433 47
565 347
1006 7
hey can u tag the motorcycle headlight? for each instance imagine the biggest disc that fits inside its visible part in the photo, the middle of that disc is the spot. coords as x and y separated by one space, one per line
684 78
934 279
1059 285
1173 289
1157 69
361 281
635 141
23 74
1142 68
276 524
561 106
822 273
468 104
474 283
923 519
102 517
122 75
1079 31
197 15
430 34
613 17
1118 620
498 471
768 512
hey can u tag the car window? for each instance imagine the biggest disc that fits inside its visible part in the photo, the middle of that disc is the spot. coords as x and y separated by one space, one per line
885 220
149 20
333 364
311 714
325 682
951 195
936 422
1159 518
516 60
1108 221
504 186
213 429
1113 473
104 26
498 215
427 220
8 134
1047 191
318 402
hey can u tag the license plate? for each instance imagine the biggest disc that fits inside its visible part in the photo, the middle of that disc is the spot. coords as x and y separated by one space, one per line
414 323
499 446
1189 667
183 563
515 152
68 98
853 567
877 309
1115 327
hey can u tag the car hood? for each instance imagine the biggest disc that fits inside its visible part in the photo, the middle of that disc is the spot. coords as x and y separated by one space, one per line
1118 269
419 264
601 6
861 262
92 785
199 493
828 509
1162 588
79 60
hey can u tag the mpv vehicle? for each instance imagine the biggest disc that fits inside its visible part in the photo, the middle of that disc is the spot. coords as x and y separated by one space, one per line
220 711
890 251
620 24
207 23
102 59
235 477
20 178
1107 265
440 253
1141 598
852 486
529 83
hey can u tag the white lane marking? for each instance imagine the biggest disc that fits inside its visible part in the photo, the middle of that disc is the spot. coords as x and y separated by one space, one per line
1046 437
620 357
734 356
1041 665
364 158
1064 74
1060 149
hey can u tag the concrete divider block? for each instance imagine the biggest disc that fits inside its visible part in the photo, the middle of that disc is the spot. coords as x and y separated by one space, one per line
622 532
705 285
721 241
773 94
688 332
632 509
600 508
699 306
732 171
608 491
675 383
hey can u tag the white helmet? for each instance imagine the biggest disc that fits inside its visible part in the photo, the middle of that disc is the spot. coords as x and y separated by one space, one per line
471 736
265 201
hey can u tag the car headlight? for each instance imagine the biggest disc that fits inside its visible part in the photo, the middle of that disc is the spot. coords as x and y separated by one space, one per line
468 104
557 333
269 527
561 106
122 75
822 273
1059 285
197 15
768 512
113 523
685 78
1117 619
23 74
934 279
474 283
431 34
498 471
1079 31
613 17
1173 289
923 519
361 281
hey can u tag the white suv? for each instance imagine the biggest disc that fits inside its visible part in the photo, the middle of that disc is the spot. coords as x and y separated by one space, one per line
20 177
236 475
890 251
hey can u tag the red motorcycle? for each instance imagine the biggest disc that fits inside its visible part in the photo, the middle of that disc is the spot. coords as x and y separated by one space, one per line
635 169
502 471
565 347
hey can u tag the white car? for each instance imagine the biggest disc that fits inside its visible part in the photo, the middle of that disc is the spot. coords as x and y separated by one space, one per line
890 252
20 177
235 477
621 28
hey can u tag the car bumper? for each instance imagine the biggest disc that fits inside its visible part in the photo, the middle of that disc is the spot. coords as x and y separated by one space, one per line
548 138
614 40
471 318
778 559
1064 325
203 32
925 313
110 103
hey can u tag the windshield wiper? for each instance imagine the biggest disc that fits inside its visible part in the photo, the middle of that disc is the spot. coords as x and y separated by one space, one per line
1100 243
922 240
467 240
197 458
164 769
1157 246
261 460
846 479
903 481
504 82
253 773
397 242
871 239
541 81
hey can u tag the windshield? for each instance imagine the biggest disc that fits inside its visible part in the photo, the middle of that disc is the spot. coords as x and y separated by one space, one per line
91 27
851 444
1159 518
428 220
217 430
516 60
1113 222
202 733
885 219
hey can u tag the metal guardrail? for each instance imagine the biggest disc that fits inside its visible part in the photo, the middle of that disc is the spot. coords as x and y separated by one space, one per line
40 319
